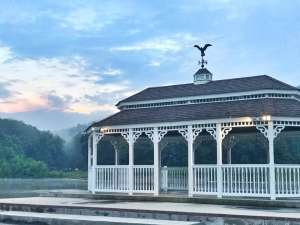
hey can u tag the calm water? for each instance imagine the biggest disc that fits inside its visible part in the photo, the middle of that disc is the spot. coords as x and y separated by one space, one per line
17 187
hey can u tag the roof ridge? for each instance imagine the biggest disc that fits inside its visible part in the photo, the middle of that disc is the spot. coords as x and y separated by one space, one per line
227 79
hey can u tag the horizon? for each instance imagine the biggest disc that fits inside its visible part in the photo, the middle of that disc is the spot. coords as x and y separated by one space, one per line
69 63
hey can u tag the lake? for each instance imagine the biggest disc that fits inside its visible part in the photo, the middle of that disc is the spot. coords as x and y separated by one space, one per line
18 187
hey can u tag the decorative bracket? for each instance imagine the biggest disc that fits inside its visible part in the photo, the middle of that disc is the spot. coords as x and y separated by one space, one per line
278 129
263 129
150 134
184 133
126 136
136 135
98 136
212 132
161 134
225 131
196 132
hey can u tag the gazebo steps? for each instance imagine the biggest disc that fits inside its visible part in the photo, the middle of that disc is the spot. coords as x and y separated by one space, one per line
52 208
68 219
177 198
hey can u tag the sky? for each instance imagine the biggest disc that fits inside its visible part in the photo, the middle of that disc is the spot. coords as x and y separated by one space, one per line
64 63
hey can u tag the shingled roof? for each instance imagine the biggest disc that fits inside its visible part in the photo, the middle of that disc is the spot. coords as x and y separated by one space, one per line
254 83
234 109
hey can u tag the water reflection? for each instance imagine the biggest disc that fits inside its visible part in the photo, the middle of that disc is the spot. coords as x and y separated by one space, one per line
9 187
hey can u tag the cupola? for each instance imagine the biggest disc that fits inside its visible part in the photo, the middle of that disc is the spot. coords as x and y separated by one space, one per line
202 76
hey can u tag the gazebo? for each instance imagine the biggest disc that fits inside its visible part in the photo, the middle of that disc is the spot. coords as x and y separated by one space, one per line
220 117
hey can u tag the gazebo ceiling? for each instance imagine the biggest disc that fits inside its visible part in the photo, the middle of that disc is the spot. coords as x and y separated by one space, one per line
217 110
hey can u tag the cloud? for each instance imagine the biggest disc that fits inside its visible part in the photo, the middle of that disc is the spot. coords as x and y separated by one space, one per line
83 19
4 93
58 103
172 43
112 72
230 10
161 49
56 84
5 54
166 50
154 63
94 17
157 44
17 13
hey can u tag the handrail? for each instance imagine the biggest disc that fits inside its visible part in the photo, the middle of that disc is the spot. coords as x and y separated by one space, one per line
143 166
245 165
111 166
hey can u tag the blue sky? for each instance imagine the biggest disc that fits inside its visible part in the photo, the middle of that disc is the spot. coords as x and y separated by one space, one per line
68 62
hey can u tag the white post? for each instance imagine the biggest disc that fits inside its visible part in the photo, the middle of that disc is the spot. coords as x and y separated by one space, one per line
164 179
131 161
219 160
94 162
190 161
156 161
116 157
271 159
89 162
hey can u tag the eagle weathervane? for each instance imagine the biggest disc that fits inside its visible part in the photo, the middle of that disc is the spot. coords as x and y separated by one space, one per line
202 50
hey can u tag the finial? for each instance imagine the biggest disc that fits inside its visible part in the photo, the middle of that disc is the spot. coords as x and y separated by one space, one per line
202 50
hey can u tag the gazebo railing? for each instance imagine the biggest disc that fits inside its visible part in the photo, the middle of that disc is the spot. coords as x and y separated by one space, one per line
251 180
205 179
174 178
111 178
143 178
246 180
287 180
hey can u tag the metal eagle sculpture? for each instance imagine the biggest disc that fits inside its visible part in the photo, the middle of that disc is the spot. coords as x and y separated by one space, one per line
202 50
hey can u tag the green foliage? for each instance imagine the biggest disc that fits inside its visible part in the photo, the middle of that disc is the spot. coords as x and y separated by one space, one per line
27 152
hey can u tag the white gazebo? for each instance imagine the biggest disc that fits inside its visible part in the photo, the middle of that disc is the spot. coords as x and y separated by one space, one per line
217 108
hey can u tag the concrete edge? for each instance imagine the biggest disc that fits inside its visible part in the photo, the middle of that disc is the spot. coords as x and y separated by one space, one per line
49 221
181 199
96 210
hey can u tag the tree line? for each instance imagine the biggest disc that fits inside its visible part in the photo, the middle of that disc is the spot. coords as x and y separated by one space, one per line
26 151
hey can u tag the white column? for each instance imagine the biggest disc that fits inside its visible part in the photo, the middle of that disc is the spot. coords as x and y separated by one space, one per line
131 161
89 162
156 162
94 162
219 160
116 157
271 159
190 161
